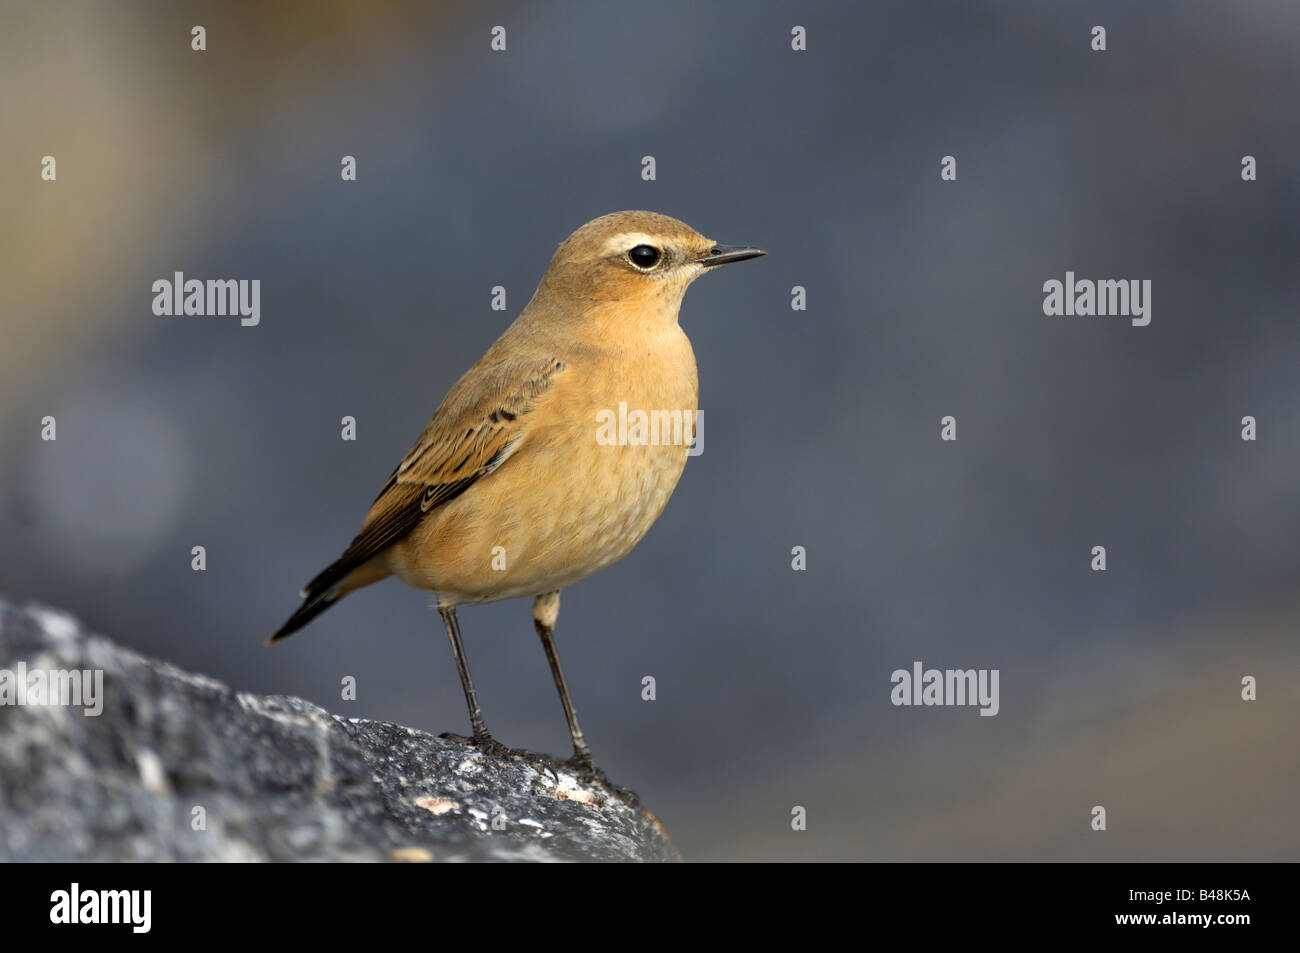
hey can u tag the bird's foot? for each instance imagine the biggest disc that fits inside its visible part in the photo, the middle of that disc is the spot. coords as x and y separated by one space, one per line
541 763
480 741
582 765
579 763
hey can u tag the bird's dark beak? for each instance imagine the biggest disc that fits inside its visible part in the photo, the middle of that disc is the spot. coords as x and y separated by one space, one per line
725 254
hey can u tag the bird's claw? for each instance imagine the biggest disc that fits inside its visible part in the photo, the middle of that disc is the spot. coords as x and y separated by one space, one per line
582 765
541 763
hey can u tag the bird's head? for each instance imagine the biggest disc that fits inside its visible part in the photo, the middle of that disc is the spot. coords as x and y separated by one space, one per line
642 258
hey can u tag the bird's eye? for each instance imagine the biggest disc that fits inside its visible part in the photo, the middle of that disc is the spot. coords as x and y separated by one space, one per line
644 256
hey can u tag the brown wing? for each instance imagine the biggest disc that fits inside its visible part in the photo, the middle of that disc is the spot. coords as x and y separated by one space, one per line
472 433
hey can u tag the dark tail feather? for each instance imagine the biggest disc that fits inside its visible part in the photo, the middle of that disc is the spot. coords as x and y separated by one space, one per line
319 594
334 572
317 602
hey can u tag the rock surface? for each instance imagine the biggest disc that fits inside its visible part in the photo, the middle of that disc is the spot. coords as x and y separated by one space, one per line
179 767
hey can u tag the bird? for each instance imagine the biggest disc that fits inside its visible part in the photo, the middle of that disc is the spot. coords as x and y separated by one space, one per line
513 489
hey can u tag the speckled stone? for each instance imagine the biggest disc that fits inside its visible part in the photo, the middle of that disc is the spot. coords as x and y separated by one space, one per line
179 767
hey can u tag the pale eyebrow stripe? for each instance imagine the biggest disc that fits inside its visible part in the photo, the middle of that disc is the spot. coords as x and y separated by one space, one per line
617 244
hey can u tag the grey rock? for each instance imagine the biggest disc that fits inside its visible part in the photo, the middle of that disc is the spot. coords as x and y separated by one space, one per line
273 778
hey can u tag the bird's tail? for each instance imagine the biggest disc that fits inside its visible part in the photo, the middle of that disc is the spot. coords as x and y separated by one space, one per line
317 601
330 585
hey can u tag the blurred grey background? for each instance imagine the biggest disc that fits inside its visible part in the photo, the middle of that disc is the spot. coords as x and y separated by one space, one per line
924 299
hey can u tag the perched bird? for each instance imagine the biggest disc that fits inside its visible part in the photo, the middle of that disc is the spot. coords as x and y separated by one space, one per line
513 489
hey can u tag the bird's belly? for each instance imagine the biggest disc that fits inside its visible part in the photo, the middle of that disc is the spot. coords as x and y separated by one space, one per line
570 508
579 491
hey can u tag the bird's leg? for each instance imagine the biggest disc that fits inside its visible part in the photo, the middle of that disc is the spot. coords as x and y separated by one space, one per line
546 609
481 737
